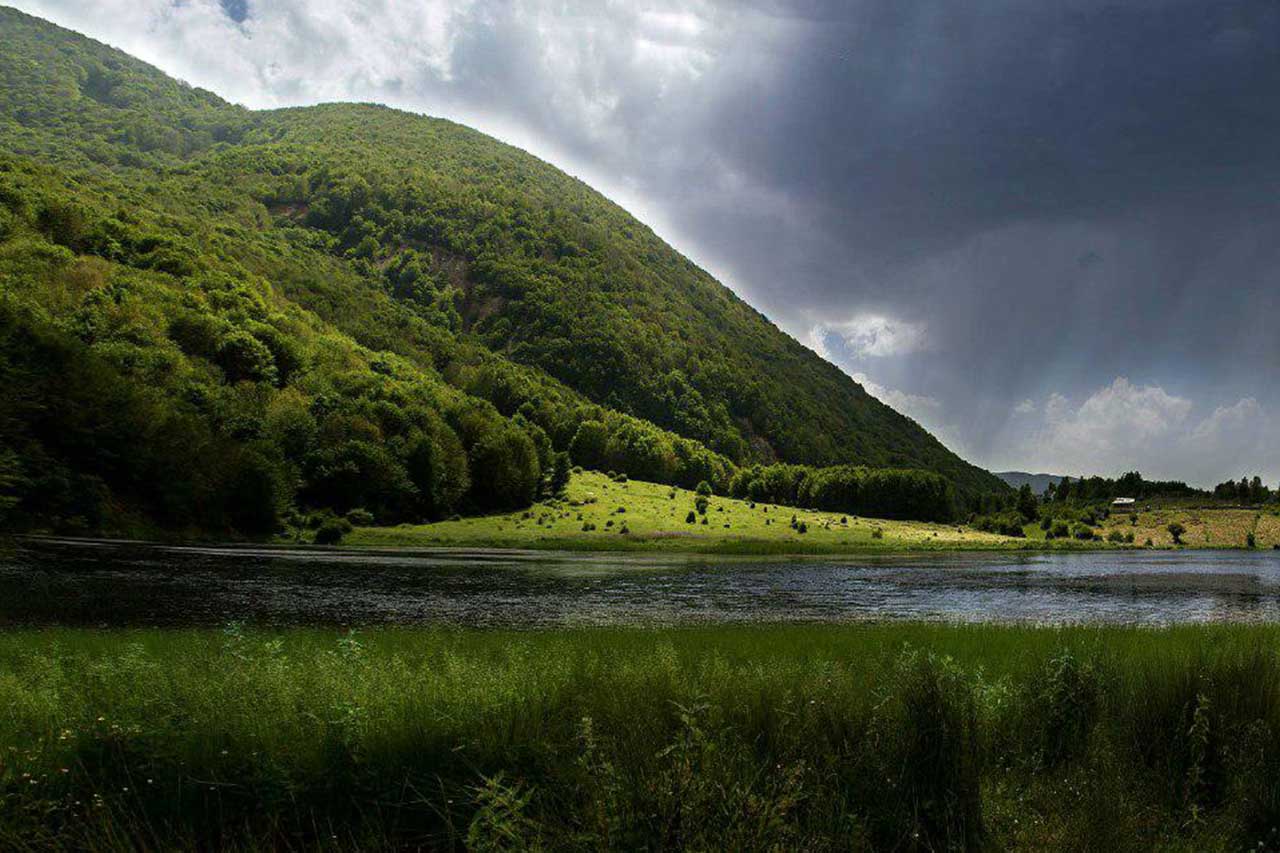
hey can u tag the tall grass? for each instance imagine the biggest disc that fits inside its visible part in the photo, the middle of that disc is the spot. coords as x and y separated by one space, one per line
895 737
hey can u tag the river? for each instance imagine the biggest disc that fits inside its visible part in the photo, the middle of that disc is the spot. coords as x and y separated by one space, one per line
100 583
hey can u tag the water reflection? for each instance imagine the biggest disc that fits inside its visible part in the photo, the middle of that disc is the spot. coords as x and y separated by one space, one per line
111 583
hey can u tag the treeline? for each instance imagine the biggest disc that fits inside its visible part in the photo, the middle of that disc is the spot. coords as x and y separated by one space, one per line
1134 485
854 489
1130 485
1245 491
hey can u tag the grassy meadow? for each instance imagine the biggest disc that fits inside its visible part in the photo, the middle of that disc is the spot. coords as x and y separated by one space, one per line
598 513
902 737
1205 527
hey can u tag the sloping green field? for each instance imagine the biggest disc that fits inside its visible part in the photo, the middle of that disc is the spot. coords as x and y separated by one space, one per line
597 513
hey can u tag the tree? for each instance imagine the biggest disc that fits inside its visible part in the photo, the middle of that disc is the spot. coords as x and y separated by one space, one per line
1176 530
243 357
560 468
588 444
704 489
1027 505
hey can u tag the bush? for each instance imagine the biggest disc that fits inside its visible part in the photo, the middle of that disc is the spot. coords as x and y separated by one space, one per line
1115 536
704 489
1176 530
360 517
691 517
1250 541
700 504
244 358
1009 523
1061 530
331 531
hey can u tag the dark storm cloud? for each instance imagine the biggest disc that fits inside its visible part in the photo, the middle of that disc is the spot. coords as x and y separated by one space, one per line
990 213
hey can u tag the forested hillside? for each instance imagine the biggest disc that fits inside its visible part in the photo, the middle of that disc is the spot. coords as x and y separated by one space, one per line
211 316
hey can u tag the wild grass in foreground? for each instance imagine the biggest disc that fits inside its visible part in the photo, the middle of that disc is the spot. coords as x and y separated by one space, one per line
892 737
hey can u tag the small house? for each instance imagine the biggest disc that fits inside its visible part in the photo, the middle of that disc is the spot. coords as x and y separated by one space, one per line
1124 504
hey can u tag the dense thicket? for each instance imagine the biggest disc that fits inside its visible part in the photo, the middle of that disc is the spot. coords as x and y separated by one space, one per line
352 308
879 492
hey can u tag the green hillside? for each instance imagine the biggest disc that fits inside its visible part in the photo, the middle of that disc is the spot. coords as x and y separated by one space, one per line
209 316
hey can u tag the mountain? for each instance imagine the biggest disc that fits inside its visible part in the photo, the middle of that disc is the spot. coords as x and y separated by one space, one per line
1038 482
362 308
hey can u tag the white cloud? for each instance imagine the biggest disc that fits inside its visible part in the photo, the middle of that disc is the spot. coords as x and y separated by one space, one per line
913 406
1123 427
1026 407
870 336
1228 421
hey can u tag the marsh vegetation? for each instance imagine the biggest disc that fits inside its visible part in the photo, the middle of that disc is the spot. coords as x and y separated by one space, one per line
872 737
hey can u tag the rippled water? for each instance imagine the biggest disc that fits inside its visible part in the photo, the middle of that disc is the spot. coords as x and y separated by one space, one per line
108 583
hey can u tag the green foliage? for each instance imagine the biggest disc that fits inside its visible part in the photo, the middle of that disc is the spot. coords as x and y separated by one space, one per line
331 531
1176 529
883 493
1006 523
785 737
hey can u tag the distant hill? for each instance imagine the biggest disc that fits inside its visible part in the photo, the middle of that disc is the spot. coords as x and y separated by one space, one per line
1039 482
360 308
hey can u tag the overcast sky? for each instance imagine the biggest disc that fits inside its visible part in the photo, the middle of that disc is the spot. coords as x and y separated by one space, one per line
1048 231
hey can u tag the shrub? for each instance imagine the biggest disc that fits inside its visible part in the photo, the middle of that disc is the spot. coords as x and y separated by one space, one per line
244 358
1115 536
1008 523
700 504
1061 530
1176 530
1250 541
704 489
360 517
802 528
331 531
1063 708
691 517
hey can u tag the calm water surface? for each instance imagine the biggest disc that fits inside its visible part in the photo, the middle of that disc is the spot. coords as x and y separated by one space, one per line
79 582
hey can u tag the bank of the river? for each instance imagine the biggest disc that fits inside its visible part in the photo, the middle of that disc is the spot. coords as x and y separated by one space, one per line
903 736
598 514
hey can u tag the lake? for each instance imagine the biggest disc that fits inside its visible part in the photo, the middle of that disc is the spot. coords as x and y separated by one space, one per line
94 582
